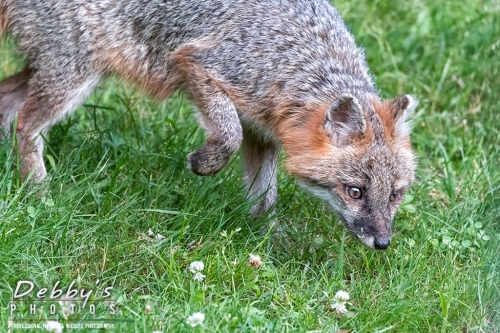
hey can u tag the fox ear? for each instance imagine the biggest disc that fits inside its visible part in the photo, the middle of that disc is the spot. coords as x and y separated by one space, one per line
402 109
344 119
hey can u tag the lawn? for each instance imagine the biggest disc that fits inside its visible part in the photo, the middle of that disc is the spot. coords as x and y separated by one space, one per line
118 169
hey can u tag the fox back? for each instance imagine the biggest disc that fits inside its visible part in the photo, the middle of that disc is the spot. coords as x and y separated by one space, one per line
264 75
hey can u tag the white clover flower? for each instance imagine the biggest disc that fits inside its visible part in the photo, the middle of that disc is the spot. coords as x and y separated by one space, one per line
195 319
198 276
196 266
147 309
255 261
339 301
54 326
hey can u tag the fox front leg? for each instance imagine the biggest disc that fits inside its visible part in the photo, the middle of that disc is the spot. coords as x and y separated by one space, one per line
219 118
218 114
260 159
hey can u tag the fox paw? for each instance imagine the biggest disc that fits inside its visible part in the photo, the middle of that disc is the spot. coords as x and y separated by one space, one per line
208 160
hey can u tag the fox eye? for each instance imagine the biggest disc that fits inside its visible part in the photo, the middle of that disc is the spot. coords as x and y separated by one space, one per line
354 192
394 196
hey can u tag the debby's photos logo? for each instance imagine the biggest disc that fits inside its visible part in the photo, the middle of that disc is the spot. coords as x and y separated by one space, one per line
69 306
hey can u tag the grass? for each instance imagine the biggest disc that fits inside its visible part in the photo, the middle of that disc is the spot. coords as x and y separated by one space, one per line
118 168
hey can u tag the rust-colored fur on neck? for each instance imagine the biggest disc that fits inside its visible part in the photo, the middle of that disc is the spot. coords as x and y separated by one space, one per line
306 138
309 136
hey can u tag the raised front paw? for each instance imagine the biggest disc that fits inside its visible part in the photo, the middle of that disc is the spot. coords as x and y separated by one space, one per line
209 159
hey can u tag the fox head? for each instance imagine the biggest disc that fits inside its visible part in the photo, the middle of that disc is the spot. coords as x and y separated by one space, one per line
358 158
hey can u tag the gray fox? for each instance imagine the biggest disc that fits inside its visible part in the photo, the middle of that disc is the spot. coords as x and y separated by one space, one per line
264 74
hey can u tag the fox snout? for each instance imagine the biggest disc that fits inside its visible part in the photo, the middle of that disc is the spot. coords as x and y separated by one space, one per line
382 243
373 234
377 243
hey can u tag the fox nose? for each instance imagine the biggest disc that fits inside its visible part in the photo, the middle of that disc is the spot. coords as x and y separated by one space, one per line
382 243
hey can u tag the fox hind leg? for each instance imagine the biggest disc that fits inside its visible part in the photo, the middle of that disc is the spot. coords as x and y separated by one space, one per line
49 99
13 92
